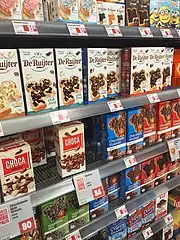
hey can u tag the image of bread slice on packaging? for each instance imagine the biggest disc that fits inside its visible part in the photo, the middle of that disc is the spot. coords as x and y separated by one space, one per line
87 7
7 7
30 9
67 6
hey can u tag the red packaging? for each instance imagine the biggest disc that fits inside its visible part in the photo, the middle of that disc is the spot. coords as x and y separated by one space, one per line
150 124
147 175
161 206
176 68
164 111
176 117
172 168
160 169
134 222
148 213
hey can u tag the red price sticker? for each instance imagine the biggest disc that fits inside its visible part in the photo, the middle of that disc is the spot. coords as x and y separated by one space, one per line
74 236
77 29
153 98
27 225
145 32
178 32
130 161
168 219
147 233
61 116
81 184
4 216
166 33
115 105
25 28
121 212
113 31
98 192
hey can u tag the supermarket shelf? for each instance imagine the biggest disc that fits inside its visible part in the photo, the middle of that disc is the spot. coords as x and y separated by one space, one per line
109 218
42 120
50 185
97 36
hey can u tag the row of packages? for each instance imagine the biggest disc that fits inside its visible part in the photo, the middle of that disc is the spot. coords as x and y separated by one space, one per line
76 76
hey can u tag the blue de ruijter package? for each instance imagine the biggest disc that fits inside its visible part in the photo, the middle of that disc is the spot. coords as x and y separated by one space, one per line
113 135
130 181
118 230
135 131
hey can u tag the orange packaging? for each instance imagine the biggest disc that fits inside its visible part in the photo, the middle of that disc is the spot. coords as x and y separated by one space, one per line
176 68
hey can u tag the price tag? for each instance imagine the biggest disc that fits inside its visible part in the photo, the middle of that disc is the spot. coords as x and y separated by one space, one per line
178 32
61 116
113 31
166 33
77 29
25 28
153 98
1 130
145 32
88 186
168 219
147 233
178 90
174 146
115 105
121 212
16 218
74 236
130 161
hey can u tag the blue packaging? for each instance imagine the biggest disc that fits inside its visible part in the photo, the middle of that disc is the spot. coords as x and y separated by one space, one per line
130 181
113 135
118 230
148 213
135 130
94 74
134 222
113 187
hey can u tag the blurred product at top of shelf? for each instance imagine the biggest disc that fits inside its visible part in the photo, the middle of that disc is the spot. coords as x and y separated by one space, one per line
111 13
95 74
49 141
16 170
87 11
147 175
11 139
135 130
176 68
150 124
70 148
137 13
113 72
69 76
54 218
176 223
160 168
39 79
164 14
161 206
167 67
175 117
77 215
11 102
35 138
174 199
148 213
167 232
100 206
134 222
10 9
32 10
130 181
113 187
164 113
172 168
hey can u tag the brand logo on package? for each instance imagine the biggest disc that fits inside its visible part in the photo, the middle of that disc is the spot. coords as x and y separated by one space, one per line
6 64
72 142
16 164
38 62
98 60
70 60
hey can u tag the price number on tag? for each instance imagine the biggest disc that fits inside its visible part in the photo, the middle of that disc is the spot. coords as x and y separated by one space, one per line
98 192
115 105
121 212
1 130
147 233
26 28
74 236
153 98
77 29
27 225
166 33
178 32
145 32
130 161
178 90
60 117
168 219
113 31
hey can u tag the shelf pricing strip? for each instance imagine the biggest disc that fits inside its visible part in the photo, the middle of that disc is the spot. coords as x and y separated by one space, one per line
16 218
153 98
145 32
168 219
115 105
130 161
61 116
166 33
147 233
88 186
174 148
25 28
77 29
113 31
121 212
74 236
